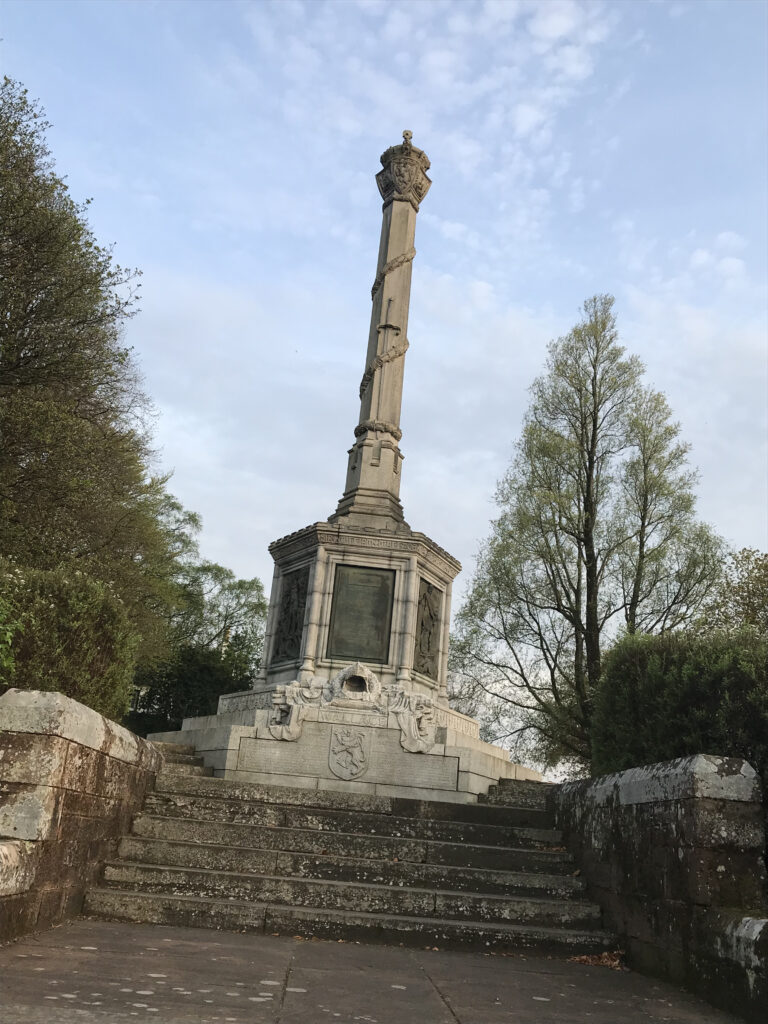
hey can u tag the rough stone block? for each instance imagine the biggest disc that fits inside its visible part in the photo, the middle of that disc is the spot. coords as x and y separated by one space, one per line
33 758
69 783
29 812
53 714
18 865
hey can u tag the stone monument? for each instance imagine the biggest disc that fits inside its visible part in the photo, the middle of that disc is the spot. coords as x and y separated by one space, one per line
352 694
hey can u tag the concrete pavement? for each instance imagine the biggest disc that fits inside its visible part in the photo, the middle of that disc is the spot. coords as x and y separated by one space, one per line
94 972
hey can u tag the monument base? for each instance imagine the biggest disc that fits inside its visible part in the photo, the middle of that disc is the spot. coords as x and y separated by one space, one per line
349 734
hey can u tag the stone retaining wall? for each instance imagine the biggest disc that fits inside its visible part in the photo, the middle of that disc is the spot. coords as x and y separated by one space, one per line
70 782
674 854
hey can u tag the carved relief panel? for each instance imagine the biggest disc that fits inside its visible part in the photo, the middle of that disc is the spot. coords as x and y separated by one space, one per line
426 655
290 617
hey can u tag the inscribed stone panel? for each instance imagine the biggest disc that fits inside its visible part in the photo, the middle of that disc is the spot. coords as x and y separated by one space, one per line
426 655
290 617
361 614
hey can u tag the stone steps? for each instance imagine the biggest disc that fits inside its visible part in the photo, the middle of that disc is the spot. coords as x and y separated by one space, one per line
516 793
233 915
348 895
244 860
170 749
285 796
343 865
372 846
172 805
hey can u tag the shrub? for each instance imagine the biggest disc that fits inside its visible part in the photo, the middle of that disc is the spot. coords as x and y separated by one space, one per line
188 685
66 632
662 697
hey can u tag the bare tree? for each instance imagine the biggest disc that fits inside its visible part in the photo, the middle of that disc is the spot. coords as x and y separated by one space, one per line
596 532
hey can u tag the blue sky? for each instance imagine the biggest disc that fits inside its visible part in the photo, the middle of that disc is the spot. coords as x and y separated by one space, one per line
576 148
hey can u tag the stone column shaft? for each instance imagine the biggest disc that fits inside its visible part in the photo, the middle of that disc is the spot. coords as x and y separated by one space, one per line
372 490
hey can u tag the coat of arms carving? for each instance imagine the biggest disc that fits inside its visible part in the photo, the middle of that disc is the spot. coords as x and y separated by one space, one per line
350 752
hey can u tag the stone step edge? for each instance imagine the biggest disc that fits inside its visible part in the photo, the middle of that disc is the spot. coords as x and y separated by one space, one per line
498 848
378 922
538 879
390 816
542 902
533 832
326 798
173 748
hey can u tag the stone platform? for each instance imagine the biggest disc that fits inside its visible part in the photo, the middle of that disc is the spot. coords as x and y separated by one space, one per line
349 733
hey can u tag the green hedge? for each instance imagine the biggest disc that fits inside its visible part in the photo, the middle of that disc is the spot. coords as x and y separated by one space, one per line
662 697
62 630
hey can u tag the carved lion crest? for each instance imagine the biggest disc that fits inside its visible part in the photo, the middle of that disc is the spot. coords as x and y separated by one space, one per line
350 752
405 173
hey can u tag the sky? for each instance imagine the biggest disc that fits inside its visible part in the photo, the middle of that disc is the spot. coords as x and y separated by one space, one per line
577 148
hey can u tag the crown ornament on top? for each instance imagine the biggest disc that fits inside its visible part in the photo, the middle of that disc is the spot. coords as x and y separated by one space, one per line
403 177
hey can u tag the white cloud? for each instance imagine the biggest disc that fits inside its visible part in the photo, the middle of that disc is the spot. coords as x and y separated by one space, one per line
554 20
527 117
701 258
730 240
731 268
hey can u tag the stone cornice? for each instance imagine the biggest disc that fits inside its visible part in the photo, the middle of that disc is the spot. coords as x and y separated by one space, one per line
337 535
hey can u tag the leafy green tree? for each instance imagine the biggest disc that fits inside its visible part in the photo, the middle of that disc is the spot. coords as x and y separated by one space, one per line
741 598
76 490
217 635
596 531
67 632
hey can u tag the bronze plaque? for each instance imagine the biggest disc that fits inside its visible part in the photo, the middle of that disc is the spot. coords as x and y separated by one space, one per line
427 651
290 616
361 614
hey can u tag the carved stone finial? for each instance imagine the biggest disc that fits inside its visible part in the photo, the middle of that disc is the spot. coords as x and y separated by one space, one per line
403 176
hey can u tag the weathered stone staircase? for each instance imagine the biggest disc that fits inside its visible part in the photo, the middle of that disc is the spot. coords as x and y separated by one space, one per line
219 854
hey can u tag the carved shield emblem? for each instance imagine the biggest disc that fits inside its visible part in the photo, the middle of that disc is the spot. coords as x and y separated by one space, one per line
405 174
350 752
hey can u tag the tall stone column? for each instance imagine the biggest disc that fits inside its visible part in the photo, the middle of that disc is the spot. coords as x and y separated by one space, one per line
372 492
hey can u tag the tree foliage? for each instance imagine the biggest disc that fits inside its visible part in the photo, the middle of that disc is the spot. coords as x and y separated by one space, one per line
103 569
66 631
741 598
217 635
596 531
75 487
669 696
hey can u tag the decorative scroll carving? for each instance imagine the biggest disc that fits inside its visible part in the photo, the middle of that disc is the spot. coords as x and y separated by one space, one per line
395 351
252 701
426 655
355 688
398 261
290 616
415 715
404 173
387 428
289 722
349 755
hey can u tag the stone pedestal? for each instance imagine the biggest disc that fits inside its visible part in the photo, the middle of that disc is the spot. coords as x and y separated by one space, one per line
343 593
350 732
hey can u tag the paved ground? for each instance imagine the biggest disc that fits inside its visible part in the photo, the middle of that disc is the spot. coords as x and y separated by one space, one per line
91 972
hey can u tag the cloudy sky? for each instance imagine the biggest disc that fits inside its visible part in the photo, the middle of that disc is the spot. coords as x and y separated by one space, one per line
576 147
